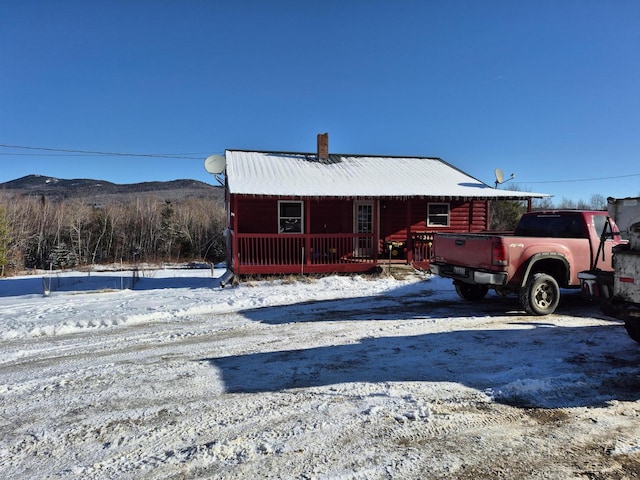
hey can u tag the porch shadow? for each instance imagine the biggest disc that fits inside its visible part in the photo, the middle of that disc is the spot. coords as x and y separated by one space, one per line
542 366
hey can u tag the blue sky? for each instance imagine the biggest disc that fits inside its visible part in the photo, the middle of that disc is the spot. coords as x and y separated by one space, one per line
547 90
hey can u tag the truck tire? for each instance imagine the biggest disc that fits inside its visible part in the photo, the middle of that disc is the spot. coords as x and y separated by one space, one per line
540 295
632 325
473 293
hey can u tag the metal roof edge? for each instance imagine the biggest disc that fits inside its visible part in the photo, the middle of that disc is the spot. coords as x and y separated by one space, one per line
357 155
421 196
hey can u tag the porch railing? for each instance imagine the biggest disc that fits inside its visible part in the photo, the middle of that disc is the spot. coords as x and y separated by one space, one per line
421 252
257 253
316 253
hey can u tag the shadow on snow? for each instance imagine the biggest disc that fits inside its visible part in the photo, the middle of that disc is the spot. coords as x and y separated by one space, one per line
538 363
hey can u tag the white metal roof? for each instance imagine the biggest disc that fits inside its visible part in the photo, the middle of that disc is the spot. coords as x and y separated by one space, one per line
302 174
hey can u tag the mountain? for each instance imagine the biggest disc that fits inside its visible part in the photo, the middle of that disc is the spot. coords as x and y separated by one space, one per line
102 192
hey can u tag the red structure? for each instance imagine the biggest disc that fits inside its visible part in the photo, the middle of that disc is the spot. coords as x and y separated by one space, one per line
321 213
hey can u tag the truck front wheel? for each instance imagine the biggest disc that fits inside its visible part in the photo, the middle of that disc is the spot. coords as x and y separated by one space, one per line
473 293
540 295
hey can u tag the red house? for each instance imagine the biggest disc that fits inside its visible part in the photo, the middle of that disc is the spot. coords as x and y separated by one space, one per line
321 212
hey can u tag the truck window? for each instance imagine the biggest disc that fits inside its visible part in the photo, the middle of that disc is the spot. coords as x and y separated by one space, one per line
599 222
551 225
603 223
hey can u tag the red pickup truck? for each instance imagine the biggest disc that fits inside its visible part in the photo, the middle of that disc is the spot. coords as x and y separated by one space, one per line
546 252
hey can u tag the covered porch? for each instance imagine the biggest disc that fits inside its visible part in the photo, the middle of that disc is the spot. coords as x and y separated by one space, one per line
323 253
311 235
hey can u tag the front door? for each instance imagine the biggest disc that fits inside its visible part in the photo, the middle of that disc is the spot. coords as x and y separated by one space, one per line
363 223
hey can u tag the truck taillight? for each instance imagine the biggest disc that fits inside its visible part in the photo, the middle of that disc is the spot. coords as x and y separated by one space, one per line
499 254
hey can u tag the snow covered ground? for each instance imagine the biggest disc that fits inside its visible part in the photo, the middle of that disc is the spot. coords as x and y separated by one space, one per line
349 377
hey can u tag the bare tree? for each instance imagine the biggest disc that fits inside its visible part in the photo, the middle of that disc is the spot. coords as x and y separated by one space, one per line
543 204
60 233
5 239
598 202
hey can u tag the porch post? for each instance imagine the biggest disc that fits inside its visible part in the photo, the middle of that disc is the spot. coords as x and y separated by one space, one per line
376 230
307 232
234 245
409 238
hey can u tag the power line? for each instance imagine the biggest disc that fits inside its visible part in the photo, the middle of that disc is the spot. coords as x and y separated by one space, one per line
14 154
98 153
187 156
589 179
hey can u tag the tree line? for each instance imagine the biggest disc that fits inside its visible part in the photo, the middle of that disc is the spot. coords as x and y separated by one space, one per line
505 214
36 232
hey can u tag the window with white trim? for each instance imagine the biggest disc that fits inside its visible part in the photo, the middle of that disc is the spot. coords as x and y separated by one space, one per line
437 215
290 218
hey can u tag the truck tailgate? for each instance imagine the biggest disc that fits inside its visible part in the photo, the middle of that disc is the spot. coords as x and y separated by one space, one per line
468 250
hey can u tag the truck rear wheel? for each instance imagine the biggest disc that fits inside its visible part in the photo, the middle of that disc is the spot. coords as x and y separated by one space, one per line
632 325
540 295
473 293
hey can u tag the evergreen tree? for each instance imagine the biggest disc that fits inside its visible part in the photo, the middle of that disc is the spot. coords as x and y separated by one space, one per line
62 257
505 214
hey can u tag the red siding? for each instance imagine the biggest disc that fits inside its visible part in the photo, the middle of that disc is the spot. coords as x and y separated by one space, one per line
331 216
463 217
260 215
480 216
257 215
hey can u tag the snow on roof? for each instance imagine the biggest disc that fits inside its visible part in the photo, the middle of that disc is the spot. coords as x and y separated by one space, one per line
303 174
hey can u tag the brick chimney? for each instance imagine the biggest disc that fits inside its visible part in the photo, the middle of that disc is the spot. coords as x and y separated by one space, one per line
323 147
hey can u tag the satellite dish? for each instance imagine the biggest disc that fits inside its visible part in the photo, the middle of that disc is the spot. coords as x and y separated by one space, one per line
500 177
215 164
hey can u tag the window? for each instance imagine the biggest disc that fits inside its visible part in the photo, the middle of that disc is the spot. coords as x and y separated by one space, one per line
438 215
290 217
551 225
